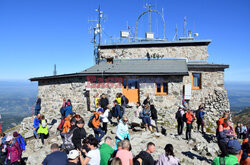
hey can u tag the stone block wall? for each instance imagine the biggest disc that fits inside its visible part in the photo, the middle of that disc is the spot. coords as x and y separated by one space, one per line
189 52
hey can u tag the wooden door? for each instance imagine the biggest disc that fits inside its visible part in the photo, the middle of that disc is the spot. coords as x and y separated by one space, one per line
131 89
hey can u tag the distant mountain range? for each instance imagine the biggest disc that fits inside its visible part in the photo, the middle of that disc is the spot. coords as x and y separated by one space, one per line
18 97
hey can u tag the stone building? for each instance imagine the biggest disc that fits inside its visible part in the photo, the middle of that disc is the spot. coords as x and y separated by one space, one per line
169 71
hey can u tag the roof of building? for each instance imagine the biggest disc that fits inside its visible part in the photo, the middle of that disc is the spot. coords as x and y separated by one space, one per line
155 43
137 67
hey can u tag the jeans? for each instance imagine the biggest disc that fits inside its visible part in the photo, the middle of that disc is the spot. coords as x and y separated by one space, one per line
180 126
35 132
147 120
98 131
188 131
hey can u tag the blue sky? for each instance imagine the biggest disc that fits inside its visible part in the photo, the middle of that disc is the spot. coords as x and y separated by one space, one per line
35 35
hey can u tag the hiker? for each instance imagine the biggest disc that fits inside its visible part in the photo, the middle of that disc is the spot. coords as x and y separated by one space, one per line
179 117
79 134
36 124
118 98
68 109
146 117
168 158
14 152
20 140
93 156
3 151
104 118
226 132
146 101
119 147
189 119
124 102
244 157
98 107
62 108
106 150
154 115
122 131
199 116
237 130
124 154
234 148
67 125
243 131
221 120
116 161
117 110
104 102
75 157
146 156
138 110
97 100
55 157
43 129
73 121
97 126
38 105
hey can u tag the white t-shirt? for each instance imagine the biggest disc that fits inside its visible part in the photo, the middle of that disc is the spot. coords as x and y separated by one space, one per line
94 156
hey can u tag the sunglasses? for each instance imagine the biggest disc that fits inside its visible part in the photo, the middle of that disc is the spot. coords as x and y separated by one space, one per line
125 120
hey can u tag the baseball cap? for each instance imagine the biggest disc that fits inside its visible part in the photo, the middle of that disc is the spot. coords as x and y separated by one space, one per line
73 154
233 146
101 110
9 138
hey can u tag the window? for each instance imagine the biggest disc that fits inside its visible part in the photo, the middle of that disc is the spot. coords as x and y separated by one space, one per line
161 88
196 81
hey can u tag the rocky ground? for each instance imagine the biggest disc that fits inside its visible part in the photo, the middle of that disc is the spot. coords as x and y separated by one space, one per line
200 150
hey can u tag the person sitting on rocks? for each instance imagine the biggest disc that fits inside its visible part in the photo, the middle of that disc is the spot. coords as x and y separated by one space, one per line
199 116
226 132
189 117
106 150
144 157
179 117
168 158
122 131
124 154
97 126
233 148
43 129
146 117
14 152
55 157
74 157
79 134
36 124
93 156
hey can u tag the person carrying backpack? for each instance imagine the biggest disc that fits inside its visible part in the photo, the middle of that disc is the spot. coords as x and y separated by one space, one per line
68 109
20 140
124 102
231 158
179 117
96 125
226 133
36 124
199 116
189 120
38 105
43 129
117 112
14 152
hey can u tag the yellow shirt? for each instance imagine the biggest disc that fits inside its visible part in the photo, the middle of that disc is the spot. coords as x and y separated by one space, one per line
96 100
119 100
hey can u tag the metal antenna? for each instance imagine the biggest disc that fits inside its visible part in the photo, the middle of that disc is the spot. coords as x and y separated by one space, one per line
176 33
185 24
55 73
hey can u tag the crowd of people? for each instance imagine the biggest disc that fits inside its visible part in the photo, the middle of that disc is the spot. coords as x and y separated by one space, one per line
78 148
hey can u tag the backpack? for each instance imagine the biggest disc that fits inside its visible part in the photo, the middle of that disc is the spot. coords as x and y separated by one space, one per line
178 115
90 123
124 100
20 141
62 111
43 123
198 115
184 117
68 144
60 126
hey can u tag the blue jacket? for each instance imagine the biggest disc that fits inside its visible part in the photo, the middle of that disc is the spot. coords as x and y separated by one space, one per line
36 122
117 111
21 141
146 113
68 110
38 104
202 113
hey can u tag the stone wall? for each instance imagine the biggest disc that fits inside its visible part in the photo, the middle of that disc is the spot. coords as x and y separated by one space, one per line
189 52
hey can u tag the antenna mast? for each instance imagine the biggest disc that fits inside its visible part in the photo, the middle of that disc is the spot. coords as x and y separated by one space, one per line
55 73
185 24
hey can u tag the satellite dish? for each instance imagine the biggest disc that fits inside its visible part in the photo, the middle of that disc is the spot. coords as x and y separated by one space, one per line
196 34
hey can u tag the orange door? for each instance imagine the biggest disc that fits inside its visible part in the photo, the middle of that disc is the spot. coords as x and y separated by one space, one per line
131 89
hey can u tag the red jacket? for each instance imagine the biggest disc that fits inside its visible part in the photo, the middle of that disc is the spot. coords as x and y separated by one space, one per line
190 117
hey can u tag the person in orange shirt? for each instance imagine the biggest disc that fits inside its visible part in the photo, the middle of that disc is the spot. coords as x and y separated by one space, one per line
221 120
96 125
189 119
66 125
